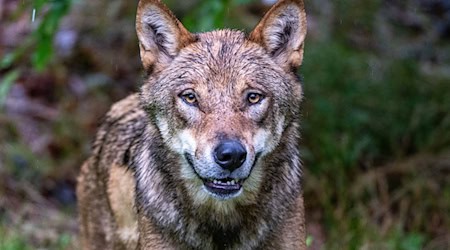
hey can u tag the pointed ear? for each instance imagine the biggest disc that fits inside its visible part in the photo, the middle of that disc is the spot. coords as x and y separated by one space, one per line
160 34
282 33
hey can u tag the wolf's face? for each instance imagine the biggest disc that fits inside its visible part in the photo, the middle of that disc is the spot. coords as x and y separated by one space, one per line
221 100
224 106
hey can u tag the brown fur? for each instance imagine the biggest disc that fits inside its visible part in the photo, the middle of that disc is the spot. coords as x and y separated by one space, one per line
142 187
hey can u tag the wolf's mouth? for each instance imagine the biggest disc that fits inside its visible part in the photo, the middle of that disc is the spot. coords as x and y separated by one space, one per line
225 186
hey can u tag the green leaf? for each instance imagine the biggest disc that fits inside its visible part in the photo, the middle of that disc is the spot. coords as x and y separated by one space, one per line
46 30
5 85
240 2
413 241
309 240
8 60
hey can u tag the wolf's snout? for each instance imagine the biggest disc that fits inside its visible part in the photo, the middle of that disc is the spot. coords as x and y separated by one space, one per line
230 155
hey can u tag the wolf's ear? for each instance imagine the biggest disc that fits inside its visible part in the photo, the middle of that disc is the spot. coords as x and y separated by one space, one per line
282 33
160 34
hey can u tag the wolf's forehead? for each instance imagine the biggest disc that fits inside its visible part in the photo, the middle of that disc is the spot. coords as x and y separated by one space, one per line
224 48
223 56
231 37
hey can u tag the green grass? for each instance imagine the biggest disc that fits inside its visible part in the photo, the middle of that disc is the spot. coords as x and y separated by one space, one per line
12 240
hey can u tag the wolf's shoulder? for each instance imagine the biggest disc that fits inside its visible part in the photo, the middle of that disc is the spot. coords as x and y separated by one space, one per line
125 109
120 130
124 117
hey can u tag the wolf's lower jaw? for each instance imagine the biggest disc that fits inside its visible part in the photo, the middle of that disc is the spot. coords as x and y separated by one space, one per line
223 182
223 189
222 193
223 185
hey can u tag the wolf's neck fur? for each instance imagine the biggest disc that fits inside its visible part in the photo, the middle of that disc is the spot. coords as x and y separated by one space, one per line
170 208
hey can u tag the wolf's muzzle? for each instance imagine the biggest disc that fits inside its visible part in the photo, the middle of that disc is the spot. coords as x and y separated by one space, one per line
230 155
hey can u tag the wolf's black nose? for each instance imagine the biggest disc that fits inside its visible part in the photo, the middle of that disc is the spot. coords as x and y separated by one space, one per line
230 155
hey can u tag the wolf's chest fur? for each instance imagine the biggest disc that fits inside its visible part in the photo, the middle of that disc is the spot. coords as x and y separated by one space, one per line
206 155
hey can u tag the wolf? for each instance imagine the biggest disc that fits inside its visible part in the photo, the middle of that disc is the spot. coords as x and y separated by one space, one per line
206 155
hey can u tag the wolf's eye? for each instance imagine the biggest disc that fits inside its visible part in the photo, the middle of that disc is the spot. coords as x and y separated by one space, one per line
189 97
254 98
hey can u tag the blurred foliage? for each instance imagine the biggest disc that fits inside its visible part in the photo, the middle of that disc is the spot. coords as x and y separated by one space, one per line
10 240
48 15
365 108
209 15
6 84
47 28
376 125
368 113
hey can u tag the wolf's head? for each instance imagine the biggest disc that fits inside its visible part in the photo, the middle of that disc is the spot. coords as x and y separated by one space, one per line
222 100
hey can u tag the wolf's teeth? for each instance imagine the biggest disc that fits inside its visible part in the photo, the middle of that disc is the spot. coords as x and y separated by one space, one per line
224 182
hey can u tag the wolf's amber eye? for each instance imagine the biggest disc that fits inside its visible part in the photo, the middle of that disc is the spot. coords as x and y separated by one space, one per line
189 97
254 98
